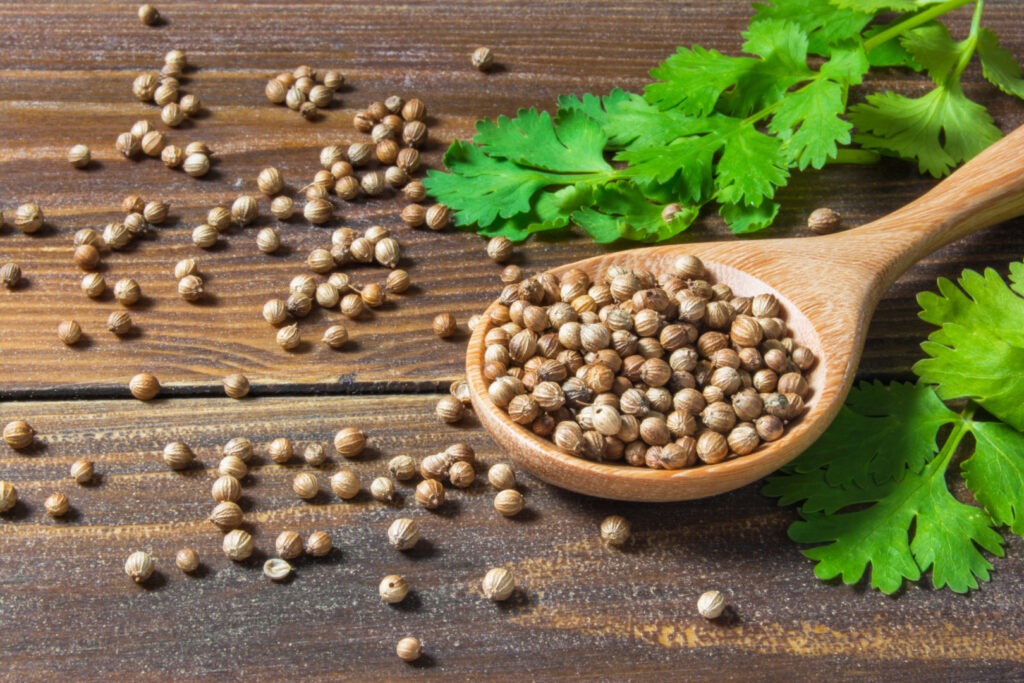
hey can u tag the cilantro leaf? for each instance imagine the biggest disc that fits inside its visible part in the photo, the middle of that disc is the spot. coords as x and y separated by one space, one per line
932 46
692 80
809 122
938 130
597 108
996 472
978 351
824 25
745 219
574 144
622 211
999 65
752 165
782 46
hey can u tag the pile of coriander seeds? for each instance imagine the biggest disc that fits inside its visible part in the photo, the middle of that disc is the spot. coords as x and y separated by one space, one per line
666 372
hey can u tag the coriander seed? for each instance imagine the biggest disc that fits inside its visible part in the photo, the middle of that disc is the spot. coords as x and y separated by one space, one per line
267 240
288 545
824 221
415 191
85 236
172 156
318 544
190 105
352 306
165 96
305 485
269 181
116 235
320 261
434 467
240 447
119 322
28 218
294 98
397 282
79 156
233 466
461 474
218 218
316 191
57 505
345 484
498 584
499 249
373 183
190 287
288 337
335 336
501 477
236 385
8 496
615 530
238 545
282 208
395 177
409 649
144 386
280 450
187 560
711 604
226 515
414 110
135 224
508 502
382 489
10 275
155 212
333 79
133 203
302 284
404 533
276 569
438 216
327 295
139 129
299 304
226 489
444 325
331 155
127 291
414 133
482 59
320 96
402 467
387 252
359 153
86 256
172 115
128 145
82 471
393 589
347 187
139 566
349 442
69 332
430 494
148 15
318 211
153 143
275 91
449 409
18 434
144 86
196 165
244 210
408 160
309 111
177 455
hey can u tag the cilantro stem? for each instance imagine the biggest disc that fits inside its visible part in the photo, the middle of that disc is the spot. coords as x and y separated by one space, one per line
855 156
963 426
909 23
971 43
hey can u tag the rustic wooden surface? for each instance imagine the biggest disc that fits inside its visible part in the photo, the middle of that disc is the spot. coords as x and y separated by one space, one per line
65 77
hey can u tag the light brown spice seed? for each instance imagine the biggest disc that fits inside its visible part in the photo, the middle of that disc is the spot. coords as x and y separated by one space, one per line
172 156
57 505
438 217
139 566
226 489
402 467
397 282
305 485
8 496
415 191
414 110
190 105
282 208
501 477
238 545
144 386
79 156
444 325
288 545
449 409
277 569
240 447
345 484
711 604
236 385
349 442
233 466
267 240
409 649
10 274
430 494
824 220
172 115
226 515
461 474
498 584
18 434
119 322
280 450
318 211
177 455
69 332
86 256
82 471
404 533
393 589
615 530
508 502
335 336
270 181
28 218
275 312
187 560
196 165
190 287
318 544
288 337
148 15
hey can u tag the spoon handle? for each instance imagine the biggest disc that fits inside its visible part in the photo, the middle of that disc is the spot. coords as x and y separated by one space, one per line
987 190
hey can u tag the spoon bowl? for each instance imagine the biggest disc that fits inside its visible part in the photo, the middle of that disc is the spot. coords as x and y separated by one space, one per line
827 287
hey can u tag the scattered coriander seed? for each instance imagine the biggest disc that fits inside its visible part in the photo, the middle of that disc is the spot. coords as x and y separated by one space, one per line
294 98
414 110
305 485
396 177
144 386
86 256
282 208
333 79
172 156
824 220
8 496
119 322
167 94
177 455
397 282
155 212
316 191
288 545
387 252
415 191
79 156
373 183
499 249
218 218
402 467
127 291
387 152
314 455
345 484
482 59
430 494
204 236
269 181
414 215
393 589
615 530
196 165
140 128
226 489
288 337
187 560
57 505
128 145
381 132
275 312
18 434
309 111
382 489
362 250
320 96
144 86
318 544
438 216
239 446
352 306
233 466
508 502
226 515
69 332
327 295
498 584
460 390
444 327
135 224
275 91
10 274
116 235
318 211
335 336
408 160
244 210
280 450
320 261
347 187
349 442
238 545
299 304
409 649
197 147
711 604
236 385
511 274
190 287
277 569
139 566
331 155
461 474
414 133
404 533
435 467
148 15
153 143
190 105
84 236
172 115
28 218
82 471
184 267
449 409
501 477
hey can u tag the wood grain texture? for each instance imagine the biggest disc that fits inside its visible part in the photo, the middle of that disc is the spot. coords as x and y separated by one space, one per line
65 77
830 320
581 608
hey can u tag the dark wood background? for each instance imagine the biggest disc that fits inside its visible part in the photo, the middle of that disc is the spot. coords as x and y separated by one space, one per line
66 609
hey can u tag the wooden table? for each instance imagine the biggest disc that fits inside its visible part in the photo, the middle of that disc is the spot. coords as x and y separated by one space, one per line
66 608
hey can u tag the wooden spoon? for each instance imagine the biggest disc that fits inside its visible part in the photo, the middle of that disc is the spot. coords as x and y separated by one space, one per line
828 287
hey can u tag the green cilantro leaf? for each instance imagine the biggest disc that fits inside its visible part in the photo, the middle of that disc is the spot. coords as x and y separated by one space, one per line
597 108
996 472
824 25
998 64
751 166
978 350
809 122
574 144
746 219
933 47
622 211
693 80
782 46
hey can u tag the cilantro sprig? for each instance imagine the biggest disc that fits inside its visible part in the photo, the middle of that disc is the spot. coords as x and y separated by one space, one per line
873 489
730 130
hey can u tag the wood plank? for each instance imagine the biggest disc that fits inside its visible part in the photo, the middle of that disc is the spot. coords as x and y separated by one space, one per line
581 608
66 79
